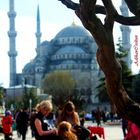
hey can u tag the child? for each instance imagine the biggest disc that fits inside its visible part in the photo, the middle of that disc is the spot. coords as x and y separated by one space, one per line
64 131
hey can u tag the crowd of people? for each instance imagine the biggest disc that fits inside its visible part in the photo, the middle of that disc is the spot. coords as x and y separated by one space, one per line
43 122
65 124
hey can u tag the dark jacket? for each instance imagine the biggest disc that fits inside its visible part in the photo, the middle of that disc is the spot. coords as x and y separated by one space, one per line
22 122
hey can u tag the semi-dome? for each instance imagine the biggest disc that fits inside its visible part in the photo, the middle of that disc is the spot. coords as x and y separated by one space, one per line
45 48
73 31
29 67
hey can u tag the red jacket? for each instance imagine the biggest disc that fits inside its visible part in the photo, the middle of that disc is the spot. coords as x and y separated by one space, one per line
133 132
7 124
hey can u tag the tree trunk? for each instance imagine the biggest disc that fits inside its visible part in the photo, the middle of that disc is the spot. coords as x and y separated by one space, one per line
86 10
106 57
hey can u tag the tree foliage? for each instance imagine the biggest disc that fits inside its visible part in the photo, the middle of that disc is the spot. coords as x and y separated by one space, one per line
1 93
102 31
60 85
127 77
81 98
29 95
102 91
136 88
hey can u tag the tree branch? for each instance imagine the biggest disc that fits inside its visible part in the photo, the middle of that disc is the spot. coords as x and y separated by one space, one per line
101 10
130 21
70 4
111 12
134 6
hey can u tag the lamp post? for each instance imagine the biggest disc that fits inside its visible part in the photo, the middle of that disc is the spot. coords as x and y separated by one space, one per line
30 106
12 109
3 105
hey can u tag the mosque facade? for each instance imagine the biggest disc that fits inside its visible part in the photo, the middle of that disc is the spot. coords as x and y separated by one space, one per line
72 49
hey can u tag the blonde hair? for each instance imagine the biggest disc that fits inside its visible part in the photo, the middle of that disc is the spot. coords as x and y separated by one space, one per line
64 131
45 104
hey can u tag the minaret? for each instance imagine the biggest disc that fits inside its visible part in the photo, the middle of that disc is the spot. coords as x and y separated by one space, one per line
38 32
126 35
12 43
39 65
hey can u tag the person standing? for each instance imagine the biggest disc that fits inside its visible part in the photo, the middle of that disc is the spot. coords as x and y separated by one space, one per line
17 123
42 129
23 122
93 115
7 125
98 116
32 118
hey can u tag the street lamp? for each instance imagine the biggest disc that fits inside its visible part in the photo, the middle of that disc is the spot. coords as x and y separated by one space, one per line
12 109
30 106
3 105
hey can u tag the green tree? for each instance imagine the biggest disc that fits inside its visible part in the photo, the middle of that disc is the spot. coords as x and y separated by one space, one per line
127 76
101 91
60 85
29 95
1 93
81 98
136 88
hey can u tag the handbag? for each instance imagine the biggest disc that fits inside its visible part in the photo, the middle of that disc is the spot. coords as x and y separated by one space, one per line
14 126
82 132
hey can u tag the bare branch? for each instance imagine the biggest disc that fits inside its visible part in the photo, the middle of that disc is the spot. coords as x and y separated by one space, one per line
134 6
130 21
70 4
111 12
101 10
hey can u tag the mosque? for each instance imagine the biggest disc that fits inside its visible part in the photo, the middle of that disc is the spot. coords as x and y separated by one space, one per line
72 49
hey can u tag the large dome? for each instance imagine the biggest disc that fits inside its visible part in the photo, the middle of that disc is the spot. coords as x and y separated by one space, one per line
73 31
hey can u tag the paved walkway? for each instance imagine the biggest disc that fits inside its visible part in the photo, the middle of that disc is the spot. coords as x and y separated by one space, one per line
112 132
15 137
